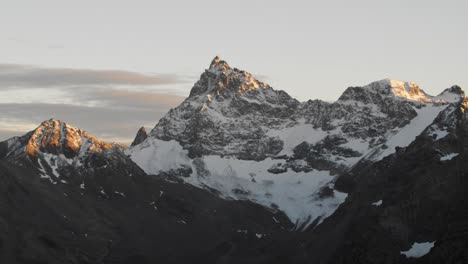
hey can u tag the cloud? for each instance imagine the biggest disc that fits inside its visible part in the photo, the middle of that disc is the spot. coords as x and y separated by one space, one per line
120 98
28 76
118 125
110 104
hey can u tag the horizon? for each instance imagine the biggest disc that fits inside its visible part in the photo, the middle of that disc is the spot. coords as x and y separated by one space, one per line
111 76
129 140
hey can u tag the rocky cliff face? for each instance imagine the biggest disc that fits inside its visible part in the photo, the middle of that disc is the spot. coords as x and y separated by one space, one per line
228 112
55 137
59 151
406 208
140 136
241 137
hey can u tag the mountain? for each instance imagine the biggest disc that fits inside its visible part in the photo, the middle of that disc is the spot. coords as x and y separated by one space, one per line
241 137
56 138
409 207
58 150
68 197
242 173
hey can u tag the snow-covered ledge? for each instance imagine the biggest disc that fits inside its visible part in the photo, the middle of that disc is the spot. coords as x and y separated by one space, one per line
418 250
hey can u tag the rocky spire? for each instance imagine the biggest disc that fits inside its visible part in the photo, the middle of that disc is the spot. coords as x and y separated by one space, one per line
140 136
220 80
217 64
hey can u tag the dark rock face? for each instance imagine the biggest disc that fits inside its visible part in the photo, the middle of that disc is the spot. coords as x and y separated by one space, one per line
422 199
140 136
210 119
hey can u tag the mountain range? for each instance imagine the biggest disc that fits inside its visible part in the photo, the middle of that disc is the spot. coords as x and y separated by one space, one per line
242 173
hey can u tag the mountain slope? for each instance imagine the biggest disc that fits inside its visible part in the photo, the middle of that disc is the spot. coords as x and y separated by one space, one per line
416 196
96 206
241 137
58 150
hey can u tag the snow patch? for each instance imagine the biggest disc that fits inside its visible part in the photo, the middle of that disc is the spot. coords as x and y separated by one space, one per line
440 133
154 155
418 250
52 162
295 135
120 193
448 97
404 136
449 156
297 194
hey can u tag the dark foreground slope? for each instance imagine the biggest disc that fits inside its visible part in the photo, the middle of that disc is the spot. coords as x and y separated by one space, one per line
121 215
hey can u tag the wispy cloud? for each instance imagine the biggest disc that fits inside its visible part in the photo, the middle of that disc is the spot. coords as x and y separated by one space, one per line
29 76
112 104
122 98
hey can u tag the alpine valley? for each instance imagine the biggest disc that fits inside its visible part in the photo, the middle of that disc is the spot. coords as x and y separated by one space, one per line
242 173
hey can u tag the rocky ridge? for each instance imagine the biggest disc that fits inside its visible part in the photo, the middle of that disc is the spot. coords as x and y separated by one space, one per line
241 137
58 150
410 198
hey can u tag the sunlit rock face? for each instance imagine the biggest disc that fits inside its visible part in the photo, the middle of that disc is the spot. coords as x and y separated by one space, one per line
59 151
56 137
386 88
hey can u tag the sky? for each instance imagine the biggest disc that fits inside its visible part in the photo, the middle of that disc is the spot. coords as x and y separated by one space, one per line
110 67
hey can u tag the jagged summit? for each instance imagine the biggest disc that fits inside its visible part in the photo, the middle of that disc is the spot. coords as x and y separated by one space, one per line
379 91
57 138
226 102
221 82
217 64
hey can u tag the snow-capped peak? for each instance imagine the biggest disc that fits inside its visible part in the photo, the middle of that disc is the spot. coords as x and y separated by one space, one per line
407 90
451 95
235 134
222 81
57 137
386 88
